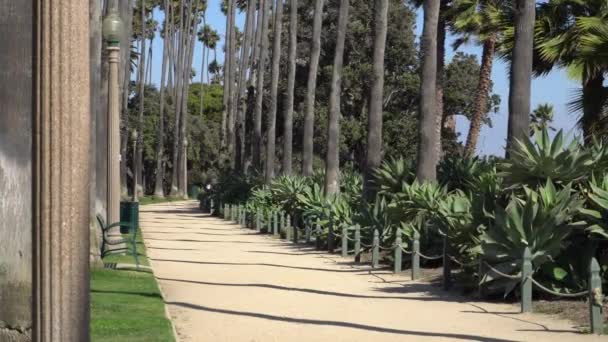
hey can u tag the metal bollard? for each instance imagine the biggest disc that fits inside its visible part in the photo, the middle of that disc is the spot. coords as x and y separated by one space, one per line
308 232
318 237
344 242
281 221
480 274
398 242
416 256
357 243
526 282
275 223
447 265
287 228
596 298
331 238
376 249
258 221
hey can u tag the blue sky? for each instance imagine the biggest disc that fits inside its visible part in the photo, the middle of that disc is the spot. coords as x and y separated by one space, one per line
555 88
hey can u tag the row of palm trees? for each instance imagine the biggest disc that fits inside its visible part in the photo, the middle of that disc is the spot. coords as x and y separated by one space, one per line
438 16
533 38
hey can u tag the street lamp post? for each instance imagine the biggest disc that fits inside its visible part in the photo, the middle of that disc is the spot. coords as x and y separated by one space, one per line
185 171
134 135
112 32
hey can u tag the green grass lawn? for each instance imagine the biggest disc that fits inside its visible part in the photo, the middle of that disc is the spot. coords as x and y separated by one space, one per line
126 306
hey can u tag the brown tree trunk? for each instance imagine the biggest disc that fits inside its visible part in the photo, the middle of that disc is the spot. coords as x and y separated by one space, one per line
178 91
274 88
311 87
441 33
481 98
427 151
332 160
259 100
137 176
373 155
291 81
593 93
521 72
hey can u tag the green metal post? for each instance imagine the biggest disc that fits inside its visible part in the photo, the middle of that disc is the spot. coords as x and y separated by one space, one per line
344 242
397 268
447 265
275 223
258 221
287 230
526 282
318 238
595 298
331 238
308 232
481 271
281 221
416 256
376 249
294 227
269 223
357 243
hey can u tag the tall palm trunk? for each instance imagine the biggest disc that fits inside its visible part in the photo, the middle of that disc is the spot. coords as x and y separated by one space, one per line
593 93
232 88
373 155
481 98
427 151
201 98
177 91
137 176
274 88
311 87
160 149
241 88
332 159
521 72
291 81
441 34
259 100
224 134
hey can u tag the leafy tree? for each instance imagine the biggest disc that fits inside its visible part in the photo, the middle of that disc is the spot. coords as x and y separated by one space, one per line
541 118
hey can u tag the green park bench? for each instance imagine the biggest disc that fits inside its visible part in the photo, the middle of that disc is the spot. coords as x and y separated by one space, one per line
127 243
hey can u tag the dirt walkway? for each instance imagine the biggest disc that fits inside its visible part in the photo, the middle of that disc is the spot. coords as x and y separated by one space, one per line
224 283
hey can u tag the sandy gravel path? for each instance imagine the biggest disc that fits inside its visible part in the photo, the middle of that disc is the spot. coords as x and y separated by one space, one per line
224 283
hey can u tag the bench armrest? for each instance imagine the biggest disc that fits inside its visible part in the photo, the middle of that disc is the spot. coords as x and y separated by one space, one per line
119 224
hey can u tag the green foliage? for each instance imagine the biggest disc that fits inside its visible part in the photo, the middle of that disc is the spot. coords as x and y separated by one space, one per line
393 174
540 220
532 163
597 212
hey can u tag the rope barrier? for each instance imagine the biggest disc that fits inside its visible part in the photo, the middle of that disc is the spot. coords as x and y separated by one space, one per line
405 250
386 248
559 294
462 264
504 275
437 257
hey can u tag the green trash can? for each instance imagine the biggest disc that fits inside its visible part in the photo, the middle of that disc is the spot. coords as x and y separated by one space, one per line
129 212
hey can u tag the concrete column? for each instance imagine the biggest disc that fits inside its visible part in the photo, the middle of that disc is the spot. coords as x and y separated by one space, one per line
113 203
61 172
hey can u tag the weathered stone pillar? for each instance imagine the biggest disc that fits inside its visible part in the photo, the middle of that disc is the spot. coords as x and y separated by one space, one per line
61 172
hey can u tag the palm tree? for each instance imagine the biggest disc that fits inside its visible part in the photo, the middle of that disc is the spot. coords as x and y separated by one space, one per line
225 136
427 151
479 20
141 79
158 186
541 118
291 81
332 159
241 88
373 156
311 87
574 35
259 100
521 72
274 87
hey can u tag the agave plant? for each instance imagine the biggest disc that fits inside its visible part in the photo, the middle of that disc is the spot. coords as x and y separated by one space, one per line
285 190
454 219
532 163
416 203
539 220
596 214
372 216
459 173
392 175
351 186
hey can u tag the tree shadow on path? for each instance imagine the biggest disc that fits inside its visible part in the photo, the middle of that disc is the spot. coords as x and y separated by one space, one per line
338 324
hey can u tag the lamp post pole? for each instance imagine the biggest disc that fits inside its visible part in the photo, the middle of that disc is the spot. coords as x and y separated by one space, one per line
112 32
185 171
135 180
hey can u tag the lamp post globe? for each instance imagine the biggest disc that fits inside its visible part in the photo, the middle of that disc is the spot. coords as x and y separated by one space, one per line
112 28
